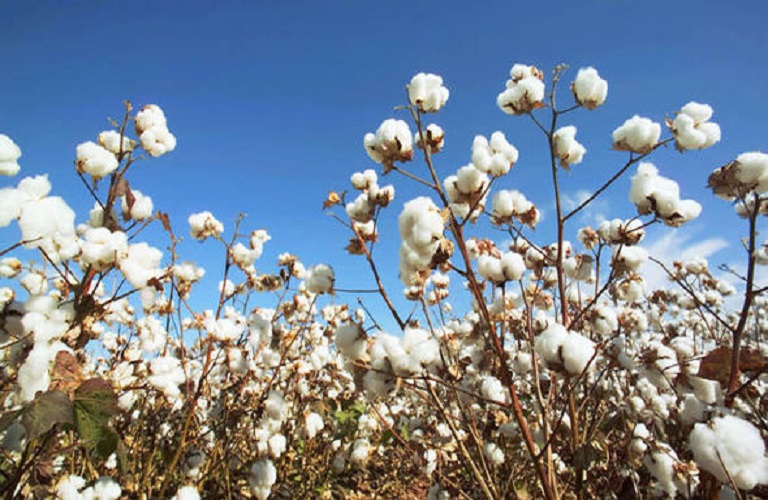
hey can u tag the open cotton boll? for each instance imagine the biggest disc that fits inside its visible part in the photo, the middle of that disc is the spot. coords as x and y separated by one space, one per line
567 149
257 240
94 160
166 375
49 224
261 479
492 389
351 340
628 258
150 116
691 127
434 137
140 264
637 135
496 157
548 343
313 423
731 448
524 90
186 493
392 142
203 225
426 91
9 156
242 256
364 180
157 141
320 279
577 352
110 140
589 89
493 453
11 201
142 206
152 334
36 188
360 451
752 170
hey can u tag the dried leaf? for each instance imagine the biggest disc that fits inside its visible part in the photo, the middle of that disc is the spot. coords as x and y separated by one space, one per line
332 199
717 364
66 374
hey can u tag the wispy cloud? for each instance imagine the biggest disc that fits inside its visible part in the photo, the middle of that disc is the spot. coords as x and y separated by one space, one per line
594 213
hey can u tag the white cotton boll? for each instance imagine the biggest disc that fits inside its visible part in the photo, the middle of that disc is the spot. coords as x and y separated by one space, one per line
9 156
186 493
320 279
149 117
693 410
142 206
566 148
661 464
94 160
549 342
101 247
577 352
493 453
426 91
638 135
68 488
421 347
512 266
496 157
257 240
700 113
734 445
263 476
361 209
752 170
242 256
141 264
110 140
35 283
203 225
360 450
628 258
490 268
166 375
492 389
152 334
11 201
434 136
275 405
470 180
49 224
524 92
364 180
691 127
157 141
392 142
10 267
605 321
277 445
589 89
105 488
351 340
313 423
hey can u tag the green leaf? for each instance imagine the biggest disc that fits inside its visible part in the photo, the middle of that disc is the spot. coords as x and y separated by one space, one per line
45 411
94 406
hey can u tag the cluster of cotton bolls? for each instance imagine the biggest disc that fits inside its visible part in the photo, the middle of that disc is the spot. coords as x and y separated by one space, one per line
655 194
747 174
371 197
421 231
512 204
467 191
152 129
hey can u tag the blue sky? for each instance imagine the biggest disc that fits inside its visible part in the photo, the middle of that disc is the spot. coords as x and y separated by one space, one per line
270 100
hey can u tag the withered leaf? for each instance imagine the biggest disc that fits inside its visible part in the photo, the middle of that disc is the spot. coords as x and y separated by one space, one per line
717 364
332 199
66 374
165 221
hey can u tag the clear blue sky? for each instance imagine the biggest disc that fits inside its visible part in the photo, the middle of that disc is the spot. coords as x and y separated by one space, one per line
270 100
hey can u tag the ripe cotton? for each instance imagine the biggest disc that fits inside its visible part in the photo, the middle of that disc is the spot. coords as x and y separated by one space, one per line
9 156
140 209
692 128
524 90
637 135
203 225
110 140
566 148
392 142
731 447
320 279
140 264
94 160
152 128
263 476
653 193
49 224
426 91
589 89
496 157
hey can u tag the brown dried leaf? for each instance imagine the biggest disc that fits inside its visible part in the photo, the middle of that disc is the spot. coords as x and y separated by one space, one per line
66 374
165 221
717 364
332 199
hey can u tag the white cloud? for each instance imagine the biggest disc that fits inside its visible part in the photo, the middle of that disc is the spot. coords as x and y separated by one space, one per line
594 213
677 245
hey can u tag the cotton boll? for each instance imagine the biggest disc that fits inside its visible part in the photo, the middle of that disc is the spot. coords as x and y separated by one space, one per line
512 266
105 488
351 340
110 140
320 279
490 268
10 267
470 180
426 91
277 445
360 451
186 493
628 258
566 148
549 342
493 453
94 160
524 90
496 157
242 256
150 116
140 209
392 142
752 170
492 389
152 334
9 156
313 423
577 352
589 89
166 375
140 264
734 445
363 181
637 135
35 283
691 127
11 201
434 137
262 477
203 225
49 224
